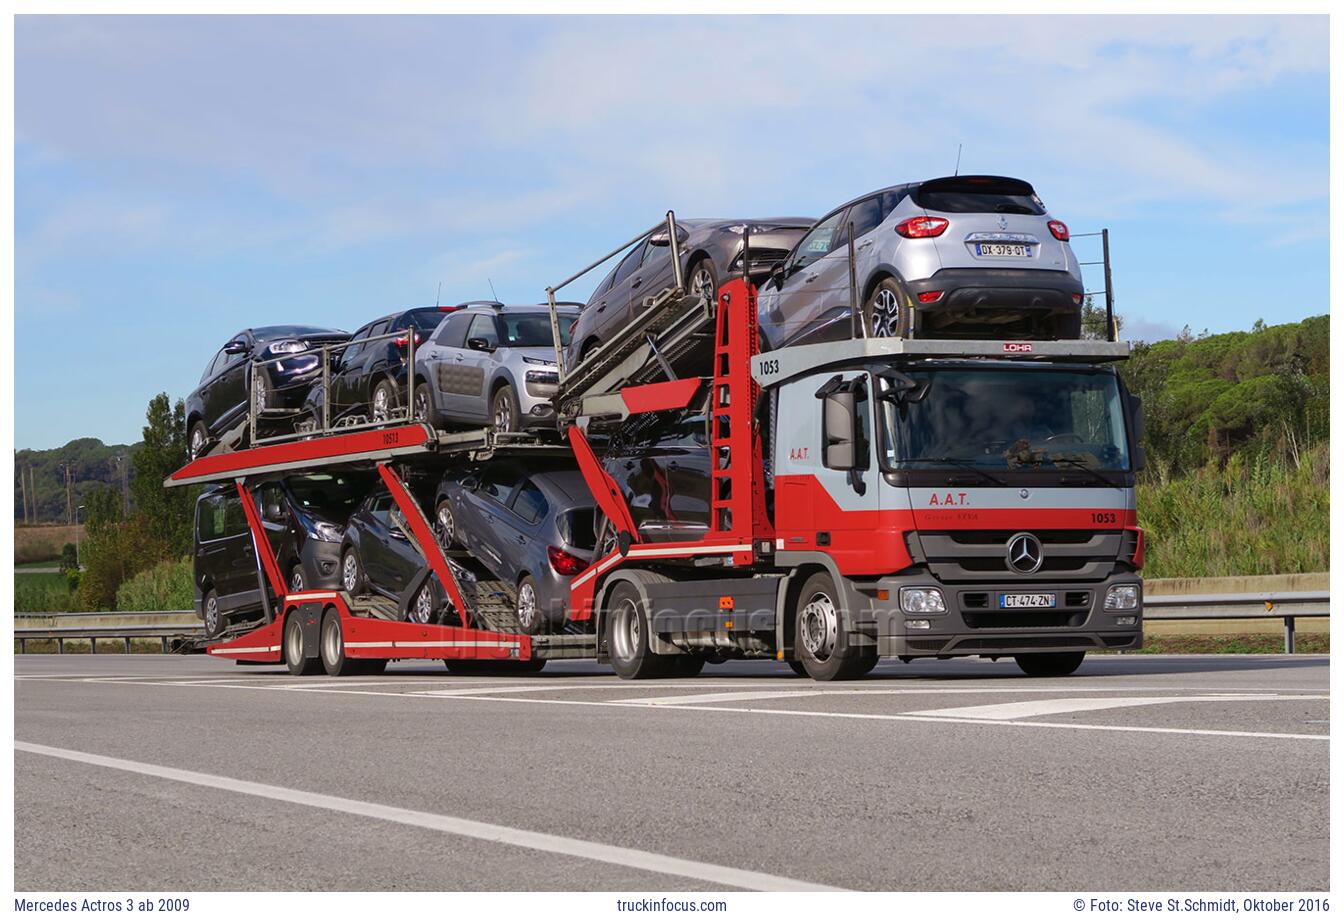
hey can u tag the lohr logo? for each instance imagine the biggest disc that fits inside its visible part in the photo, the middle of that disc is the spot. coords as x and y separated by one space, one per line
951 498
1017 348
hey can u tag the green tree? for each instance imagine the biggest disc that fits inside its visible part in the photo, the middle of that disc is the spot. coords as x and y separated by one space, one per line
167 512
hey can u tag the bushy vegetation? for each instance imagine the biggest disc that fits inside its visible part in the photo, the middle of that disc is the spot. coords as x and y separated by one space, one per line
44 592
166 586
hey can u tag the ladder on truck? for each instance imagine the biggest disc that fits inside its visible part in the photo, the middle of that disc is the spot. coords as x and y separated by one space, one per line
372 628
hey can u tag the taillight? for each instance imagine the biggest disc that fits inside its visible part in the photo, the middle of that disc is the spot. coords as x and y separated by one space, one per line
918 228
1059 230
402 341
930 296
564 563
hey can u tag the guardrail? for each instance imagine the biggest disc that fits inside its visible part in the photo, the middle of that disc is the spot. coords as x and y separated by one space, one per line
170 624
1285 605
163 625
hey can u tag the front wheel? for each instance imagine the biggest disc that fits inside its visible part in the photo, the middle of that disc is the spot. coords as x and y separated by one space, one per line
628 634
422 406
296 579
352 573
445 524
701 282
888 311
383 402
1049 664
504 409
422 608
821 640
211 616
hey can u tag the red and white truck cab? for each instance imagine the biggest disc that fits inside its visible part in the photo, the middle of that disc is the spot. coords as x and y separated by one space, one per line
961 497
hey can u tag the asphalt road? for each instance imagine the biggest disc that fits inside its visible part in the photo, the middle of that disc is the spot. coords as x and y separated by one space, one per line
1139 773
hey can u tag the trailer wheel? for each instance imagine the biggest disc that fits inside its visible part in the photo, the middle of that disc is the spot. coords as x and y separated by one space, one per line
821 641
211 618
331 646
352 573
628 637
298 665
1049 664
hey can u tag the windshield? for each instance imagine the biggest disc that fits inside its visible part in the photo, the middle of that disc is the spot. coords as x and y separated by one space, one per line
332 496
1005 419
533 330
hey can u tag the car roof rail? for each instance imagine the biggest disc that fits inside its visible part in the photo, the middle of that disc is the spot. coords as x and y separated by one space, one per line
480 303
564 303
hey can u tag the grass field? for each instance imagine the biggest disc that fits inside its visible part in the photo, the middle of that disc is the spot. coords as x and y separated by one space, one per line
42 542
43 592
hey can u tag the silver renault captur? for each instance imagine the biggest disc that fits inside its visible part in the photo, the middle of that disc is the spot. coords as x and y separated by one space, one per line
490 364
956 257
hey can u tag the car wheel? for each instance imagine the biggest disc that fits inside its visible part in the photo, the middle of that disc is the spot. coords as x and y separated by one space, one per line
627 632
589 347
820 640
887 311
423 406
527 609
504 409
260 390
293 645
701 282
212 619
296 579
352 573
1049 664
422 608
445 525
198 438
383 402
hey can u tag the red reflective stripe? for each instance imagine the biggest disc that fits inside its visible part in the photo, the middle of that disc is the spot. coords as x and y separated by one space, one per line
262 543
655 397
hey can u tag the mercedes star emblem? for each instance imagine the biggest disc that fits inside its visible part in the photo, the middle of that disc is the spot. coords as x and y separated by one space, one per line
1024 554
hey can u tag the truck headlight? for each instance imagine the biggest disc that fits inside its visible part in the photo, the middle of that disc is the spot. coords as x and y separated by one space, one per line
1122 597
922 600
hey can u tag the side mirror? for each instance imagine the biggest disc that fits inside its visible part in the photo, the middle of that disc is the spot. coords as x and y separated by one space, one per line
777 274
236 347
838 423
476 344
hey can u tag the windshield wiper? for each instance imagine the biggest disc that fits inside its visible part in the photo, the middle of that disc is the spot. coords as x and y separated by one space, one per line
963 464
1075 463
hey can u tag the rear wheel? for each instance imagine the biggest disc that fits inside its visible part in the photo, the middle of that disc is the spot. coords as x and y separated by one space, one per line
527 608
293 645
504 409
1049 664
352 573
211 617
821 640
887 311
628 637
332 648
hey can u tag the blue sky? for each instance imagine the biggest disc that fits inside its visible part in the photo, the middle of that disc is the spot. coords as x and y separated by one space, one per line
180 178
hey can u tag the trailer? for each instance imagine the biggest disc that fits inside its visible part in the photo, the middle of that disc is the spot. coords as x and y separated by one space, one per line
828 545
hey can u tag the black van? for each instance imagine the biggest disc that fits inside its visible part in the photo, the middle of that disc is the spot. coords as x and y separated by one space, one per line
224 564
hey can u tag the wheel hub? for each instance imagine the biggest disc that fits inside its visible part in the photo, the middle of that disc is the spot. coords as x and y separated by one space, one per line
211 615
818 627
886 313
527 605
424 605
331 641
349 574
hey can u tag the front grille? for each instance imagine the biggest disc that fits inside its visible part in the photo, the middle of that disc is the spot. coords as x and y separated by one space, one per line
981 555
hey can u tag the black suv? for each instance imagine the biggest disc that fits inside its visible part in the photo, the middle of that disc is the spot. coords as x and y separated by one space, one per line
368 378
304 518
224 564
220 401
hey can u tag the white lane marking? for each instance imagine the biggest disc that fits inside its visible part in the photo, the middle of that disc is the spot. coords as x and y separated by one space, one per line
747 695
1027 709
463 827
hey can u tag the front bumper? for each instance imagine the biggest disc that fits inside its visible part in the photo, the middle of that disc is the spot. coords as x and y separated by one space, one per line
974 624
321 562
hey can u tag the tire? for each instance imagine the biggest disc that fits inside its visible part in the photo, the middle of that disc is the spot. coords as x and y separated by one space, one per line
422 407
445 525
627 631
352 573
1049 664
422 606
504 409
331 647
211 618
531 618
383 403
261 388
701 278
886 311
687 666
296 579
292 648
197 439
820 640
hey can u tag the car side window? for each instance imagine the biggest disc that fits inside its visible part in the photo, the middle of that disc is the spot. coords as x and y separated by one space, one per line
453 332
652 252
271 495
356 343
210 518
483 327
865 215
530 504
892 198
497 483
235 521
627 266
214 366
818 242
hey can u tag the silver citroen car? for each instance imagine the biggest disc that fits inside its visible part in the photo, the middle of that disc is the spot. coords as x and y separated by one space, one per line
490 364
957 257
